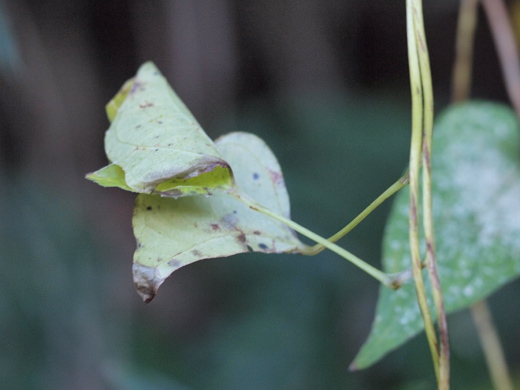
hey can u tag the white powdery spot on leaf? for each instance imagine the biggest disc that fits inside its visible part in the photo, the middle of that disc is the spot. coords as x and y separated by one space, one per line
468 291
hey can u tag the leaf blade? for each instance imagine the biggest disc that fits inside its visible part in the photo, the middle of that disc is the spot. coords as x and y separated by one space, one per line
154 138
172 233
476 195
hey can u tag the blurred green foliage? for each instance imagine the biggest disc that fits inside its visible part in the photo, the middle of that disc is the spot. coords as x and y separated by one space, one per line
52 310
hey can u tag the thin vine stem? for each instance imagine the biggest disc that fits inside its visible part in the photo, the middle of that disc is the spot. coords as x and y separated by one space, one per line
426 80
393 281
383 278
389 192
413 7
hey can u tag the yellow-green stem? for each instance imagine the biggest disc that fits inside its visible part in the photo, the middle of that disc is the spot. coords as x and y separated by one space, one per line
424 63
415 162
385 279
399 184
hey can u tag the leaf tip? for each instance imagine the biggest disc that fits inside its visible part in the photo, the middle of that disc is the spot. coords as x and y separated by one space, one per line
110 176
146 282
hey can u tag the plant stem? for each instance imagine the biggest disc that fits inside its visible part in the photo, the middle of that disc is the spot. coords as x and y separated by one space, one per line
462 69
503 36
413 7
385 279
399 184
426 80
491 345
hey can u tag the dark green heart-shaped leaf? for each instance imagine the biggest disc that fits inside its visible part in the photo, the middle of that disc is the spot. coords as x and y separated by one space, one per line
172 233
476 202
155 145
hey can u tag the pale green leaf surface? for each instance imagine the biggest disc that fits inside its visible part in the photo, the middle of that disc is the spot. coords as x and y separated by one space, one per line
172 233
476 201
110 176
117 101
154 138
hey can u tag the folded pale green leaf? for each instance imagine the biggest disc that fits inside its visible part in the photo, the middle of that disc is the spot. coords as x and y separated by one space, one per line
172 233
157 145
476 205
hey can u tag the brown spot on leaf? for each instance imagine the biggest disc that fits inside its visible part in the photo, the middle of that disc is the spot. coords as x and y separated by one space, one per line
137 86
229 221
146 105
215 226
257 232
174 263
276 177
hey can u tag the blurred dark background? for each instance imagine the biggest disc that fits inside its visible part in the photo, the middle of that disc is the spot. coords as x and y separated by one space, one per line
325 83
